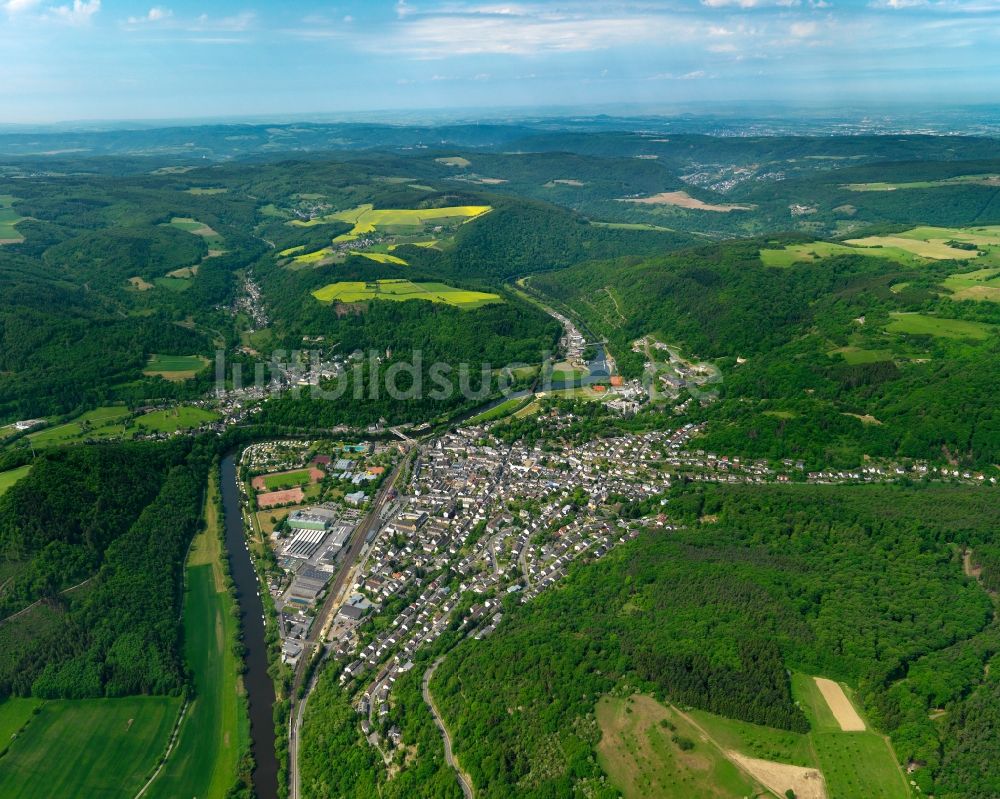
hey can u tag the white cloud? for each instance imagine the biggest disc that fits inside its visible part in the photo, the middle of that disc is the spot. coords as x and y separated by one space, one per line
80 13
19 6
803 30
521 30
155 14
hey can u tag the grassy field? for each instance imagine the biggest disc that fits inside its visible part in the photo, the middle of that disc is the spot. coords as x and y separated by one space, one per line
175 367
101 422
367 219
400 290
381 257
982 284
960 180
15 712
859 355
857 765
818 250
216 728
7 479
169 421
8 219
922 324
637 752
86 747
934 249
172 283
505 408
273 482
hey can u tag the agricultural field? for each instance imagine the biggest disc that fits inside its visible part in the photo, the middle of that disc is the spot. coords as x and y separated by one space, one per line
401 290
367 219
213 239
859 355
681 199
216 728
931 248
650 752
982 284
818 250
855 764
381 257
8 219
103 422
175 367
454 160
174 419
7 479
638 751
86 747
919 324
960 180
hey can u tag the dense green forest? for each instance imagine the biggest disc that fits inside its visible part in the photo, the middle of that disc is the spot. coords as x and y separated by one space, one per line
860 584
116 519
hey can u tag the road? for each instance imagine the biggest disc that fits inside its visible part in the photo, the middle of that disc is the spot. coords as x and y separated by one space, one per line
325 616
463 778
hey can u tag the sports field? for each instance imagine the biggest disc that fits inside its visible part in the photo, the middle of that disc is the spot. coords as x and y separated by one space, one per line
8 219
400 290
175 367
86 747
181 418
7 479
290 479
216 728
925 325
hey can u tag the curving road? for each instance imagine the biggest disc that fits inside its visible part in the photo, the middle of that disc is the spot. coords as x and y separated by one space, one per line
463 778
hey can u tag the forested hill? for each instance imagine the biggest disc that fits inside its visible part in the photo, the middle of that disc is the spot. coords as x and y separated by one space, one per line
113 523
861 584
807 349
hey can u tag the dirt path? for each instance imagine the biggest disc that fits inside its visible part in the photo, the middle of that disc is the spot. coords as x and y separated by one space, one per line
463 778
37 602
170 747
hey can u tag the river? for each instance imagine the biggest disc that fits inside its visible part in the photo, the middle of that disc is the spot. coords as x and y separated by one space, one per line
260 689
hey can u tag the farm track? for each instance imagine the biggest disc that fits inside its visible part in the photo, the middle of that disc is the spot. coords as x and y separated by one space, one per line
463 779
37 602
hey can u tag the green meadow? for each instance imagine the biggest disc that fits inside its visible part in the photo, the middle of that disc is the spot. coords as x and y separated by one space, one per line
216 727
7 479
925 325
8 219
173 419
103 422
84 747
402 290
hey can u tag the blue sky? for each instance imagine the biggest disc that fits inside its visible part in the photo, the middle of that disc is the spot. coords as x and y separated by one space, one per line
115 59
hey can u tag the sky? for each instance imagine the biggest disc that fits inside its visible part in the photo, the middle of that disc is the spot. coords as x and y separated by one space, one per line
119 59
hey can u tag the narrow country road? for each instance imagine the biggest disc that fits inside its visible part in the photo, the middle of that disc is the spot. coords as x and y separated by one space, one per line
463 778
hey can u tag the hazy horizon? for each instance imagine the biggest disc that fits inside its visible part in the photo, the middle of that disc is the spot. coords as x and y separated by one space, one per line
85 60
